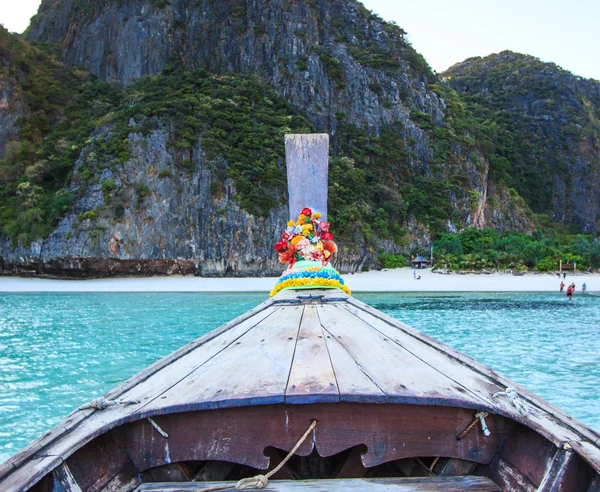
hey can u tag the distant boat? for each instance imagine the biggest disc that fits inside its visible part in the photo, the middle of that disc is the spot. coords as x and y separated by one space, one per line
382 406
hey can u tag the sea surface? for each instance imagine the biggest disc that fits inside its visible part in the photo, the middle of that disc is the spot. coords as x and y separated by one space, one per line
58 351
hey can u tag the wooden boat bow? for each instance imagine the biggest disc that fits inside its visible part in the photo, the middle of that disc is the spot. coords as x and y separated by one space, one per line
396 410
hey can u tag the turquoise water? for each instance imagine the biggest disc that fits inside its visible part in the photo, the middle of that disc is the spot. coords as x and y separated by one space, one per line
58 351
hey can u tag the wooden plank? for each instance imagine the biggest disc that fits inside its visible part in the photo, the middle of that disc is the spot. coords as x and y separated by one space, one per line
307 161
126 480
528 452
253 370
453 467
447 484
64 480
311 377
353 382
403 377
479 386
241 435
566 472
551 422
353 466
27 476
508 477
237 435
151 389
97 463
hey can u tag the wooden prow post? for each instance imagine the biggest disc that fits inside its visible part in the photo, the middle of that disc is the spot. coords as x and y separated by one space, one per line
307 158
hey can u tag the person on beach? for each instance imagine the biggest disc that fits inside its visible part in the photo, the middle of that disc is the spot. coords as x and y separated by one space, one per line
584 287
414 275
562 286
570 292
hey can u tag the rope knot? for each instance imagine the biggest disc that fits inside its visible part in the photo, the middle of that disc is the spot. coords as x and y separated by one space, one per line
257 482
514 398
102 403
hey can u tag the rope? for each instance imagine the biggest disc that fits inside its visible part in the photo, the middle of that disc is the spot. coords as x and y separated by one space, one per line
514 398
158 429
261 481
479 416
102 403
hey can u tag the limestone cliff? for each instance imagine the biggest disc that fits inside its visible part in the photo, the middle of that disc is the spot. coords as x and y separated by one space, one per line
547 140
164 163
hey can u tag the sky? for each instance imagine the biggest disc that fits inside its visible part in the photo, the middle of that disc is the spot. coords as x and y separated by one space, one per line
445 32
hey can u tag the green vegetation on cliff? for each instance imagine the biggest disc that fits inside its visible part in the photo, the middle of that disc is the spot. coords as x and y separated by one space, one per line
541 128
63 106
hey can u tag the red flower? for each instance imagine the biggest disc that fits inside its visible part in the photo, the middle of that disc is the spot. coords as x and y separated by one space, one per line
287 256
324 226
281 246
286 236
306 211
329 246
327 236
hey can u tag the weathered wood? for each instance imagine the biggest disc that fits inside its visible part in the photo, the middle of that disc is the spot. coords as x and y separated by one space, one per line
151 389
446 484
567 471
548 420
311 377
253 370
479 386
595 485
64 480
528 452
353 382
307 161
97 463
508 477
126 480
275 458
403 377
413 467
241 435
353 467
26 476
453 467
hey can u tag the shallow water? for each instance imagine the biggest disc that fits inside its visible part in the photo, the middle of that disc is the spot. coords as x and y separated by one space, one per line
58 351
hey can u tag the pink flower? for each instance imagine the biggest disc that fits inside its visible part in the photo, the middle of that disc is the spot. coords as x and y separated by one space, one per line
324 226
286 235
303 243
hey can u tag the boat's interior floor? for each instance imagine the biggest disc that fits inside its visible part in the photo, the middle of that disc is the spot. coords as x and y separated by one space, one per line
447 484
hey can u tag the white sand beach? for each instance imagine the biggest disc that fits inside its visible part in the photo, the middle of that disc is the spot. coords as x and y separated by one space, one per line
397 280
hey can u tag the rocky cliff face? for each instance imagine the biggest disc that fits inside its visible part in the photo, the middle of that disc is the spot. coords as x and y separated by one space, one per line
176 226
12 106
550 131
170 180
324 57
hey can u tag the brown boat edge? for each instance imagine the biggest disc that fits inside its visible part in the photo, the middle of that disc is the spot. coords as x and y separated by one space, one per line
394 411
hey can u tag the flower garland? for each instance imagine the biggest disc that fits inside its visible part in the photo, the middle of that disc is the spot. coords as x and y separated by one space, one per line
311 277
306 239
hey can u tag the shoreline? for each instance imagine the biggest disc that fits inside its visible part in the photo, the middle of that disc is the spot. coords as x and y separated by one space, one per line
396 280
